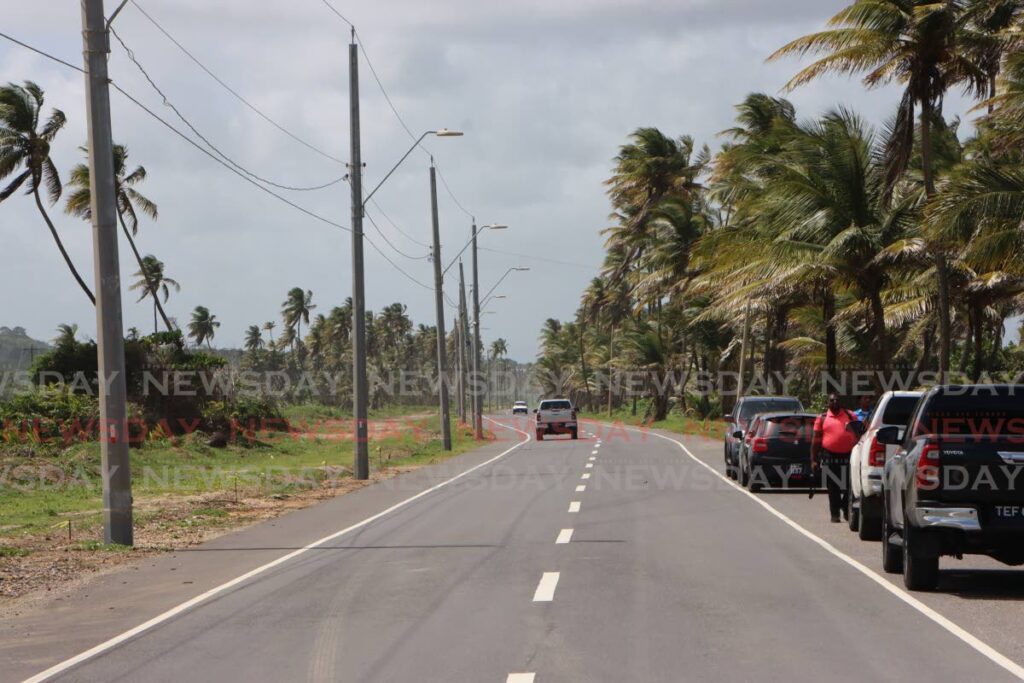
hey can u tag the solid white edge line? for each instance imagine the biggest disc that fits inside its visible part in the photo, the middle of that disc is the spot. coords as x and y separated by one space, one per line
574 506
546 588
581 488
980 646
564 536
520 678
203 597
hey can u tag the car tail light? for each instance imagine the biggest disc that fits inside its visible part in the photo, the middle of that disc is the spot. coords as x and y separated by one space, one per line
876 456
928 466
538 416
759 445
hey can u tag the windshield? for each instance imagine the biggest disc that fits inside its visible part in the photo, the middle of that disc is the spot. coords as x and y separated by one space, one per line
555 405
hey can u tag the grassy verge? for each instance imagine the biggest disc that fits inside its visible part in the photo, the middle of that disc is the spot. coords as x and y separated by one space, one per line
48 496
674 422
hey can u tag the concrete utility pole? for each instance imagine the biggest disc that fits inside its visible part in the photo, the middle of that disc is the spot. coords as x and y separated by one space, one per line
463 343
115 460
460 367
478 418
442 351
743 353
360 401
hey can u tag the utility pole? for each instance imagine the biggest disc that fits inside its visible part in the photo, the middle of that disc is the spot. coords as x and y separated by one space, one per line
478 419
442 351
459 362
115 460
743 352
361 447
463 344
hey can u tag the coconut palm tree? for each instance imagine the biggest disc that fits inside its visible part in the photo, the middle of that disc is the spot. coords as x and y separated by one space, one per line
296 309
269 328
130 203
203 326
152 282
25 146
253 339
914 43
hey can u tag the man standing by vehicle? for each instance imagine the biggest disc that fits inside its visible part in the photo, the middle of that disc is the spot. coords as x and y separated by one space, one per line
867 404
834 437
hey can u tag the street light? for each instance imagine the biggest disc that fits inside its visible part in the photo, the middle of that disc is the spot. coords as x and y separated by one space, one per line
467 245
488 297
360 384
478 419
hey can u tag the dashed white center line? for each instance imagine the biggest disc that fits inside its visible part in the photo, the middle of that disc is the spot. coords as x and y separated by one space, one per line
586 475
564 536
520 678
589 465
592 458
593 453
546 588
581 488
574 506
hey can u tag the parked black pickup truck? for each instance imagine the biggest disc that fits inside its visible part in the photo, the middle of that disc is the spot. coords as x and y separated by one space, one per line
955 486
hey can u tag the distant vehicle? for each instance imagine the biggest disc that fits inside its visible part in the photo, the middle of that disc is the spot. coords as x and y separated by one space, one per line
867 462
744 410
776 451
520 407
954 485
556 416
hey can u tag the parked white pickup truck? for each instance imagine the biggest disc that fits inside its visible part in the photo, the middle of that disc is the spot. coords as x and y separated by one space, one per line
556 416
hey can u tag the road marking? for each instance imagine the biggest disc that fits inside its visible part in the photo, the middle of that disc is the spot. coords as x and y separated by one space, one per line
592 458
586 475
564 536
973 641
546 588
520 678
594 452
589 465
203 597
574 506
581 488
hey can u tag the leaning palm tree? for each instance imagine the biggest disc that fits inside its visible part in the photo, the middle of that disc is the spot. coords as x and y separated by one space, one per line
915 43
130 202
23 146
203 326
296 309
152 282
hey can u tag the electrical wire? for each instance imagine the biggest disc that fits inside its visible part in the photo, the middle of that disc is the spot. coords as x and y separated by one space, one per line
231 90
394 225
177 112
535 258
44 54
391 244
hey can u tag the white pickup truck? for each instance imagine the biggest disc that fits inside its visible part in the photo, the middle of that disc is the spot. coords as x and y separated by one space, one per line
556 416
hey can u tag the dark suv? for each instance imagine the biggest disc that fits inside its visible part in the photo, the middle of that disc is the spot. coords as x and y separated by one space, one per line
742 413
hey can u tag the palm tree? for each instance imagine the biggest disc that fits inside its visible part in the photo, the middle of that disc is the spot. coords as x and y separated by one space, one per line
152 282
296 309
499 347
66 335
913 42
130 202
269 327
21 144
203 326
253 339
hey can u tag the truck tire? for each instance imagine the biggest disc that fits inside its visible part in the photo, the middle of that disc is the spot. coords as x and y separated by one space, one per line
870 528
754 484
742 476
575 434
919 573
892 553
540 436
852 512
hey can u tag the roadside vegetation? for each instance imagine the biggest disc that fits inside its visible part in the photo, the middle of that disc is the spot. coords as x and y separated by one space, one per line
894 245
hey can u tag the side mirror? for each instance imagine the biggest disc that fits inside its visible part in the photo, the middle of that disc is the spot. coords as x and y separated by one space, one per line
737 434
890 436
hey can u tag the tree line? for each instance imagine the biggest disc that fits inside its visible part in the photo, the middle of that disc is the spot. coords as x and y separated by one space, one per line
832 242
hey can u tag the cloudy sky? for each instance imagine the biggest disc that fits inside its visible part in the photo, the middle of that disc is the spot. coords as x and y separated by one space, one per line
545 92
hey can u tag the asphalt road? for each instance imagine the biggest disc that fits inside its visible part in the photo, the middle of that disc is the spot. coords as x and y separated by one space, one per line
533 566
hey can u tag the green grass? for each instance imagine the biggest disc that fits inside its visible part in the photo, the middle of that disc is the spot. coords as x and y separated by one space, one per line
675 422
278 465
317 411
99 545
7 551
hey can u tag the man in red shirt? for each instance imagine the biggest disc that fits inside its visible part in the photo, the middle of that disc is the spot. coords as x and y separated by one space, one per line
835 434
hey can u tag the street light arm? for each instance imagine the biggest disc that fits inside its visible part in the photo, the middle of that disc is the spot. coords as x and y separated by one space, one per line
395 167
487 296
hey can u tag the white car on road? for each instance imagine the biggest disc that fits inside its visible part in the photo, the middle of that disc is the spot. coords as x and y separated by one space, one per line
556 416
520 407
867 462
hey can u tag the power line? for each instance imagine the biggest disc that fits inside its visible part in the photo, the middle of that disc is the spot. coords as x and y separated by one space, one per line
231 90
394 225
44 54
391 244
396 266
177 112
342 16
207 152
